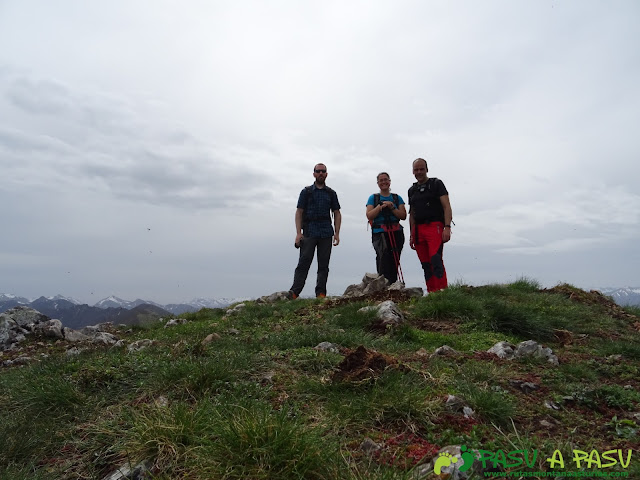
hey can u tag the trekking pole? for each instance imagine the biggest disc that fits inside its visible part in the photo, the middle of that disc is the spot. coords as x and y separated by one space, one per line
396 257
394 251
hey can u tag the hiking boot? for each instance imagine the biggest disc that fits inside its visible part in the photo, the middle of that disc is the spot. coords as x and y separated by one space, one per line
321 295
292 295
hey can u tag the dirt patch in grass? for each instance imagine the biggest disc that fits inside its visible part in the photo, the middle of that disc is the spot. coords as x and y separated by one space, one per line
458 423
361 364
488 357
431 325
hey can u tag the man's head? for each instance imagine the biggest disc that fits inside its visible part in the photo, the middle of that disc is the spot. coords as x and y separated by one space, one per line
320 173
420 170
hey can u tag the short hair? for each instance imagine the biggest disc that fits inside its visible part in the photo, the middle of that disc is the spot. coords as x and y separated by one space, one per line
314 167
382 173
425 162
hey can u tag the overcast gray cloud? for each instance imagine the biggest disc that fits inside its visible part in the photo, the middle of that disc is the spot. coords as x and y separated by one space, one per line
157 149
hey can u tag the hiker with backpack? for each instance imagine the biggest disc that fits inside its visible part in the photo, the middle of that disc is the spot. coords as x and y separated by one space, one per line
430 224
315 232
384 212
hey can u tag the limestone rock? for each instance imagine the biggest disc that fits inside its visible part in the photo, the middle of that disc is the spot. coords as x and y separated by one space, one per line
71 335
105 338
274 297
210 338
390 314
127 472
503 349
327 347
445 350
139 345
369 447
50 328
237 309
26 316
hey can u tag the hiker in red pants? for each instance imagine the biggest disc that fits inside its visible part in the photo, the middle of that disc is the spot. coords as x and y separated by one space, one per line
430 224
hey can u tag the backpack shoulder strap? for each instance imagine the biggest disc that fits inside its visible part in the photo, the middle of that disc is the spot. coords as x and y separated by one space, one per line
309 193
396 199
376 200
412 190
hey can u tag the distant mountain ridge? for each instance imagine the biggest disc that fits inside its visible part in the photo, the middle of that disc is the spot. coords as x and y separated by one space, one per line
73 314
624 296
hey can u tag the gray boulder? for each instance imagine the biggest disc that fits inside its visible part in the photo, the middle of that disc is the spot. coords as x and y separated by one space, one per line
139 345
371 282
504 350
529 348
237 309
25 316
390 314
327 347
104 338
17 322
50 328
274 297
71 335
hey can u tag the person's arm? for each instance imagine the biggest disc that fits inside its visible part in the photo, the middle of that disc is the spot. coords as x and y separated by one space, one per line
337 221
411 225
400 212
373 212
299 235
448 216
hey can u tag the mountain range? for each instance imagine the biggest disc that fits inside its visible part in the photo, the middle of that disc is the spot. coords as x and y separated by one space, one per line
74 314
624 296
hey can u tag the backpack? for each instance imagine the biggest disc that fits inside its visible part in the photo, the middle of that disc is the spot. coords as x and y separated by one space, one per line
428 207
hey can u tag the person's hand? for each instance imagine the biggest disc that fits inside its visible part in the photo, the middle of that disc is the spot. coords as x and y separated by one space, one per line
411 243
298 238
388 204
336 239
446 235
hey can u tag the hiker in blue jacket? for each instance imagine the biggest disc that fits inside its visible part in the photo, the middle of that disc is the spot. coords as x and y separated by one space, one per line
384 211
314 231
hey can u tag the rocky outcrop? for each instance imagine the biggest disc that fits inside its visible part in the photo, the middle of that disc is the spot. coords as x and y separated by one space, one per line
19 323
529 348
372 283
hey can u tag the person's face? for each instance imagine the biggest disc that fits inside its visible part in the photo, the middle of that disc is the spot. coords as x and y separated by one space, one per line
420 171
320 172
384 182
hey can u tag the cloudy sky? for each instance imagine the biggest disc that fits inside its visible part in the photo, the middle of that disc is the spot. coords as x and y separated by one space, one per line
156 149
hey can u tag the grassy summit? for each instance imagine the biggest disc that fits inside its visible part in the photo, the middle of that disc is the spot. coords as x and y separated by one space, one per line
259 402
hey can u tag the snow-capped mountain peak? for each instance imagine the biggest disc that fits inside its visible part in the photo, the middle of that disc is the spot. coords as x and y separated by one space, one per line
113 302
62 297
9 297
624 296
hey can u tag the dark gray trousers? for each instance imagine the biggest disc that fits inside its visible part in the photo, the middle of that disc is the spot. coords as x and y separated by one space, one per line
385 259
308 245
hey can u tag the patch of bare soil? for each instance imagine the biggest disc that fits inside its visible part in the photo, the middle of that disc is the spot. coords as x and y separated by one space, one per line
362 364
431 325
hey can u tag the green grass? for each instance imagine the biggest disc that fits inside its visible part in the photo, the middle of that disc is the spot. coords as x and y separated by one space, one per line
260 402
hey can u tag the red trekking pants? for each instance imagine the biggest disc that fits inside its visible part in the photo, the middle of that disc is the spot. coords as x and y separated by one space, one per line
427 238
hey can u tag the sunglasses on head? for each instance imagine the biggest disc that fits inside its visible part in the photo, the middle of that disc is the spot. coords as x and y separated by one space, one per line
320 170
